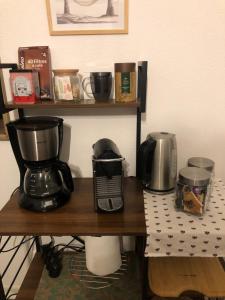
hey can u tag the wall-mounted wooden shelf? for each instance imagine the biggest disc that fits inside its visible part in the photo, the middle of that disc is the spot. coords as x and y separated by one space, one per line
88 103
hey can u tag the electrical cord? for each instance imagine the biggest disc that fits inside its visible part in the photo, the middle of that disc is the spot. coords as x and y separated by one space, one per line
12 295
21 243
77 249
66 245
52 256
14 191
78 239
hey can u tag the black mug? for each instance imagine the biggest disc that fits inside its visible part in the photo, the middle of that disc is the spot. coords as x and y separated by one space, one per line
101 85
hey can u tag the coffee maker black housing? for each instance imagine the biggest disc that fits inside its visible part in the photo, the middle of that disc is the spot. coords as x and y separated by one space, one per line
107 177
45 181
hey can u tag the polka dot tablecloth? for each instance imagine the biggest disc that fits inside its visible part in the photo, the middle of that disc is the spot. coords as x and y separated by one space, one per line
176 233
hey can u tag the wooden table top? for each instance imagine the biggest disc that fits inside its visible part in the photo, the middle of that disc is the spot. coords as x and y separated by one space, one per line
77 217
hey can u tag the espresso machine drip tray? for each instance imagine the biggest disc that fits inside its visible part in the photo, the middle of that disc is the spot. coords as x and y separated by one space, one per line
108 193
110 204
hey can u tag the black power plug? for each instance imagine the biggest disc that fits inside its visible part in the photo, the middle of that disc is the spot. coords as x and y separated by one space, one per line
52 259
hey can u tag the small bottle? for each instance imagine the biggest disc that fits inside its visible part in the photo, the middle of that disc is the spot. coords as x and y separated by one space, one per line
66 84
125 82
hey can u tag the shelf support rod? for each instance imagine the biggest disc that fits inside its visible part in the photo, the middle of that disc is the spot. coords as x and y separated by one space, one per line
141 93
20 267
138 137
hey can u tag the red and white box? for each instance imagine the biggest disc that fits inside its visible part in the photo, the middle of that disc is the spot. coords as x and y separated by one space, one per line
25 86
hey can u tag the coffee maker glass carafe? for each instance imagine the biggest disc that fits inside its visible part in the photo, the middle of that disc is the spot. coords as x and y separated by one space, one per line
45 181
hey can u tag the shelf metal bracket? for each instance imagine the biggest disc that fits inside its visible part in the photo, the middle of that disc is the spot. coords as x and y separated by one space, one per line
141 92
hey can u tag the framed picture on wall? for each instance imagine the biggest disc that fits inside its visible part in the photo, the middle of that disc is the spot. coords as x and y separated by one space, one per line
68 17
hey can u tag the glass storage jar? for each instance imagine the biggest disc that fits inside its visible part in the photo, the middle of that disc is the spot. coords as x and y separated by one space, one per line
193 190
66 84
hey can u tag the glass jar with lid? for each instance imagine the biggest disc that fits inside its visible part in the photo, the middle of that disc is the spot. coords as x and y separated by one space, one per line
193 190
66 84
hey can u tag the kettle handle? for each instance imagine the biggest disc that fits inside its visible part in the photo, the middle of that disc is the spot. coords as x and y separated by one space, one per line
145 160
66 174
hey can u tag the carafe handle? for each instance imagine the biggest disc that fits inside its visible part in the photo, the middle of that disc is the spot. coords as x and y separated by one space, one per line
85 83
66 174
145 160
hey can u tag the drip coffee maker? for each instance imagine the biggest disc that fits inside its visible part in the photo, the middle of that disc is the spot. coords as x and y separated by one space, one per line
45 181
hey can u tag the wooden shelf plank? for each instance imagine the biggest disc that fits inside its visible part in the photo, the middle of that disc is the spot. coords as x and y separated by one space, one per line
173 276
31 281
78 215
89 103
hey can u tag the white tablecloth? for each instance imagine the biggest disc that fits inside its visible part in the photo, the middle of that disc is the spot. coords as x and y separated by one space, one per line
176 233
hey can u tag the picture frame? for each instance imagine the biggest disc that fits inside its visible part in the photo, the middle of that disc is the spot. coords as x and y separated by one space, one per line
78 17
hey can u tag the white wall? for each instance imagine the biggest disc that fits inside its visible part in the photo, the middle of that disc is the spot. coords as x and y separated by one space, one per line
183 41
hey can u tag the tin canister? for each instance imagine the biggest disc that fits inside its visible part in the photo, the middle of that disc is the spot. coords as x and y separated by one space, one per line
193 190
201 162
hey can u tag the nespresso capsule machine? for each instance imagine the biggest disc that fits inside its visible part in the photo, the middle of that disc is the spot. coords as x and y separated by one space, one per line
107 176
45 181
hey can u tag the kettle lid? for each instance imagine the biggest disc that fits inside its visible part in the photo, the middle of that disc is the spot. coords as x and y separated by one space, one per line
162 135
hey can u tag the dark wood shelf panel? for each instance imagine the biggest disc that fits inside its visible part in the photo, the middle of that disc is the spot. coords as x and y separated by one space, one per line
89 103
78 215
31 281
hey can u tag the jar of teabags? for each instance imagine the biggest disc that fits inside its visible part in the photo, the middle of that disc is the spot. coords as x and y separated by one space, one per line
125 82
193 190
66 84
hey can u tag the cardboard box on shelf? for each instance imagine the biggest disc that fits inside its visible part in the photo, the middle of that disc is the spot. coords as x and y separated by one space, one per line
38 58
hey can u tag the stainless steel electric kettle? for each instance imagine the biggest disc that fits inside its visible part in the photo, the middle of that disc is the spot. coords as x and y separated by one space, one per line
157 162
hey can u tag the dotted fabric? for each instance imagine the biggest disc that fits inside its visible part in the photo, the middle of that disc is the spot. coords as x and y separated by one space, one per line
177 233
